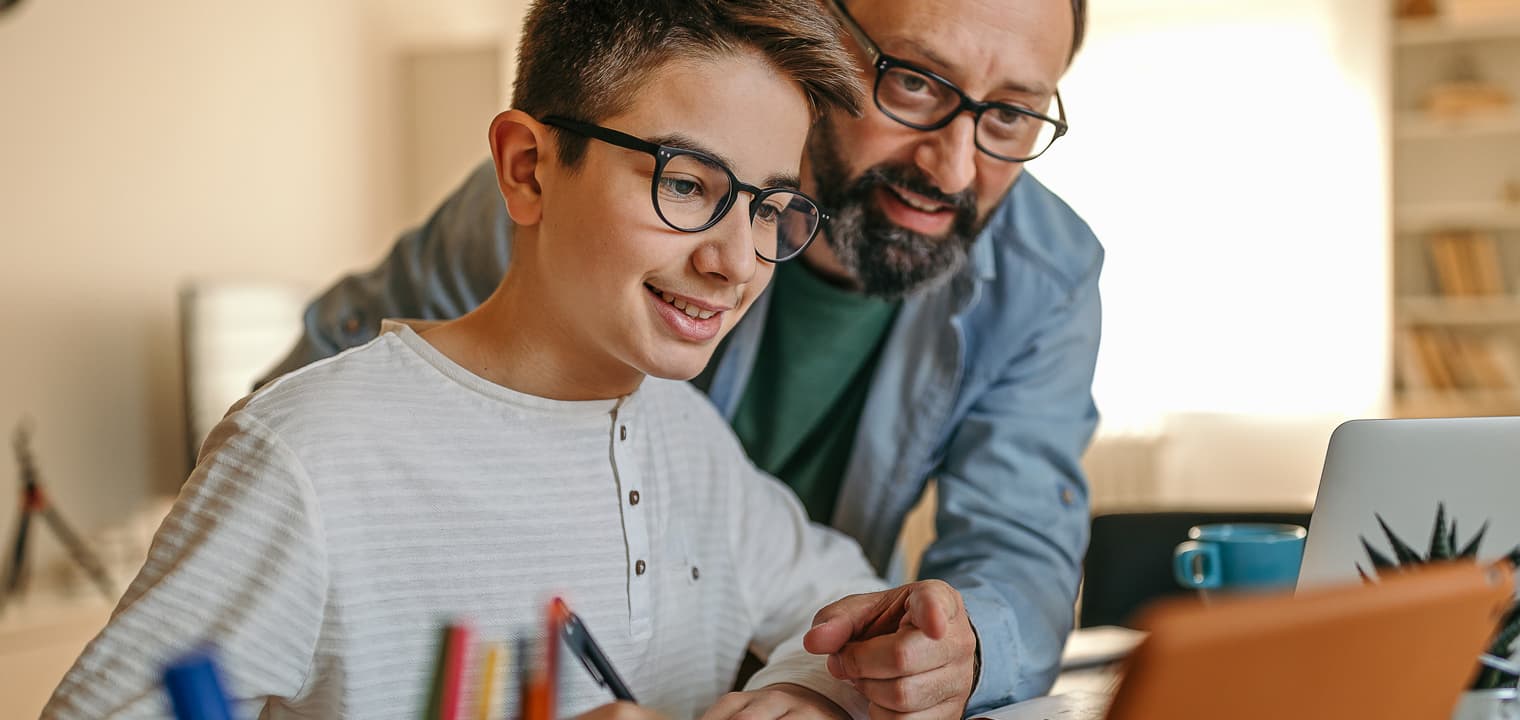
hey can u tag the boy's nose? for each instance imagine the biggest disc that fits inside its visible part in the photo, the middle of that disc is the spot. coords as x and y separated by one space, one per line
728 250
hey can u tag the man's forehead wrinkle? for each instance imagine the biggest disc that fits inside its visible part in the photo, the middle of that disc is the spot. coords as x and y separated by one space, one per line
966 52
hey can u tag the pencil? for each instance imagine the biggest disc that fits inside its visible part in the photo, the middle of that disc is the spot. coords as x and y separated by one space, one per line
448 673
453 671
435 686
490 680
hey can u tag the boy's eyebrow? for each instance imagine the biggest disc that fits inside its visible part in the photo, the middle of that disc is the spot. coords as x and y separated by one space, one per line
685 142
781 180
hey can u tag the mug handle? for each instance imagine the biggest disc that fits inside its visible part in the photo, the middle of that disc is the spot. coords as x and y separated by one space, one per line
1196 565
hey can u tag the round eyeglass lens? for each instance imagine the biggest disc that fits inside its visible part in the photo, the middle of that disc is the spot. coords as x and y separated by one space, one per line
783 223
690 192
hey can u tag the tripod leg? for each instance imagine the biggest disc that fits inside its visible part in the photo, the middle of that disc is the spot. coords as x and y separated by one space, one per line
81 554
18 553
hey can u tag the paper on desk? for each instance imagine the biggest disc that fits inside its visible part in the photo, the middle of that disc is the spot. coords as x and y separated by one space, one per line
1070 706
1099 645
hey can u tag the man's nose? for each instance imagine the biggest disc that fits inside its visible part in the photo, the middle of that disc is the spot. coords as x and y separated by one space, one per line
948 155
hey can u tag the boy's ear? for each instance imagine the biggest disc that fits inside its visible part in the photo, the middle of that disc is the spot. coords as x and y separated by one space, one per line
516 142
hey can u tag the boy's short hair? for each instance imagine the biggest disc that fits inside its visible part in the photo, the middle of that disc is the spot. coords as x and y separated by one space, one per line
587 59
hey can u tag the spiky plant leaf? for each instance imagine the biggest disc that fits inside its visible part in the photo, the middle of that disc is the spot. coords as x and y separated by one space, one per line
1514 557
1509 630
1440 542
1380 562
1502 646
1401 550
1488 679
1471 551
1491 679
1453 536
1365 580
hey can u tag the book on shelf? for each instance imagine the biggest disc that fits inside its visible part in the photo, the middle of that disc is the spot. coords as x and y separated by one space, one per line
1472 12
1431 359
1466 263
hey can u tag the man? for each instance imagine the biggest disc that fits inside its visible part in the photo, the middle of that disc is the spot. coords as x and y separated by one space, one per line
946 327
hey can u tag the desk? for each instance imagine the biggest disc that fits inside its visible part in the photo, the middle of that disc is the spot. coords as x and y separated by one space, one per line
40 636
1089 677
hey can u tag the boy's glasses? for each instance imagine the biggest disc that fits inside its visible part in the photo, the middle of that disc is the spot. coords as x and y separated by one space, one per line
923 100
692 191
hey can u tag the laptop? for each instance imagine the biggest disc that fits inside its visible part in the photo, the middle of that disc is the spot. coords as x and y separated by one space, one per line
1403 470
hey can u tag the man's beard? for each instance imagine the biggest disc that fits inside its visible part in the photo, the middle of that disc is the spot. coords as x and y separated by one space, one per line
888 260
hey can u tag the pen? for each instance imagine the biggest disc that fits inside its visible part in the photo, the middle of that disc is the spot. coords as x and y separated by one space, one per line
580 642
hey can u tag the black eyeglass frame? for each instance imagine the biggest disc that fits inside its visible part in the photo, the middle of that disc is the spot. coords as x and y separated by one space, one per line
883 62
663 154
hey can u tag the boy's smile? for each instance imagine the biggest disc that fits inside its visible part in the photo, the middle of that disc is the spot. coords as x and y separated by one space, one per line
687 317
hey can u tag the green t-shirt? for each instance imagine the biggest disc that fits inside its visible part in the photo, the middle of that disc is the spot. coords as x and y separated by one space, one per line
798 414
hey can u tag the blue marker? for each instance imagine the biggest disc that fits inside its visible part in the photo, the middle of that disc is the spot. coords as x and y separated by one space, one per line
195 690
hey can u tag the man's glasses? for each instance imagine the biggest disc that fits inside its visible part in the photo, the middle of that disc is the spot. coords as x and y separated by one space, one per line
923 100
693 191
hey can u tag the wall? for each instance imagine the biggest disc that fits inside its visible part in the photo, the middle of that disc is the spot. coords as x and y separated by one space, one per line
1232 156
143 144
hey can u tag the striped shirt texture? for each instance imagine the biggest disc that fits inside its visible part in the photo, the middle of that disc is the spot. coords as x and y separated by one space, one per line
340 516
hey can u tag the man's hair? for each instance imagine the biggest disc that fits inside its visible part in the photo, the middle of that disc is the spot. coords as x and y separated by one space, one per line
1078 26
588 59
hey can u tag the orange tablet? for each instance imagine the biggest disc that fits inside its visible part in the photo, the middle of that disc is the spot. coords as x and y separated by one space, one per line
1403 648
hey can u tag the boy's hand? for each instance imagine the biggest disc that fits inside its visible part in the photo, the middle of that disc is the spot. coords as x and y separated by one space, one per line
773 701
620 711
910 650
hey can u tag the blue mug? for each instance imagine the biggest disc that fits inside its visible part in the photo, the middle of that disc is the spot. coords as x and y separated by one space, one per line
1240 556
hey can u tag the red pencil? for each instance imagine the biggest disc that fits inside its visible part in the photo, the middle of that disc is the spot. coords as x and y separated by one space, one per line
458 644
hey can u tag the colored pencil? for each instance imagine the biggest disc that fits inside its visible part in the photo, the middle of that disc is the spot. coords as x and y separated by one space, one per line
490 680
453 671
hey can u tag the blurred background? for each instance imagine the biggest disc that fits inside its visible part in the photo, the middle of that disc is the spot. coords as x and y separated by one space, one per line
1311 210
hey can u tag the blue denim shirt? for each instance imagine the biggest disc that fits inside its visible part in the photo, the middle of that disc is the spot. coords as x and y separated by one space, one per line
984 384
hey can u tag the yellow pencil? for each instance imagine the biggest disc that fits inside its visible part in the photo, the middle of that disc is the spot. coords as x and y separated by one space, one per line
490 682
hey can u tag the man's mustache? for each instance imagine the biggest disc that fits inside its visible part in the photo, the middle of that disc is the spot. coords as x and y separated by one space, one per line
915 181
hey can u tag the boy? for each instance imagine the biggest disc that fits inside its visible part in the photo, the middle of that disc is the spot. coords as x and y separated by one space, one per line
340 514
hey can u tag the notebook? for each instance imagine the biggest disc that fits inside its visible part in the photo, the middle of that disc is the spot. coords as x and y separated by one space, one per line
1405 647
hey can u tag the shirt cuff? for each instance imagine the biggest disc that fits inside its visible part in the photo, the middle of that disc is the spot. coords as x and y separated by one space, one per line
790 663
996 654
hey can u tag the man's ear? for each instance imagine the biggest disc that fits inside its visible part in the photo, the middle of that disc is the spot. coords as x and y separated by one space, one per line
516 142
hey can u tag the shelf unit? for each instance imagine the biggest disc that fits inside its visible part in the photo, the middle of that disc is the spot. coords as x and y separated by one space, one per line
1472 312
1414 218
1420 126
1443 31
1456 175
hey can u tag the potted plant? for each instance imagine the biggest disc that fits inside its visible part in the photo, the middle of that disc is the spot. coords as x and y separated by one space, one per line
1493 695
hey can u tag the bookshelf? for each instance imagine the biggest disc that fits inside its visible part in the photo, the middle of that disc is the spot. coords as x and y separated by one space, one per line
1421 126
1456 210
1444 30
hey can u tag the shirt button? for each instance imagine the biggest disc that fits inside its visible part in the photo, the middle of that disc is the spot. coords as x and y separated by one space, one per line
1067 496
638 568
351 325
695 573
623 433
633 497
